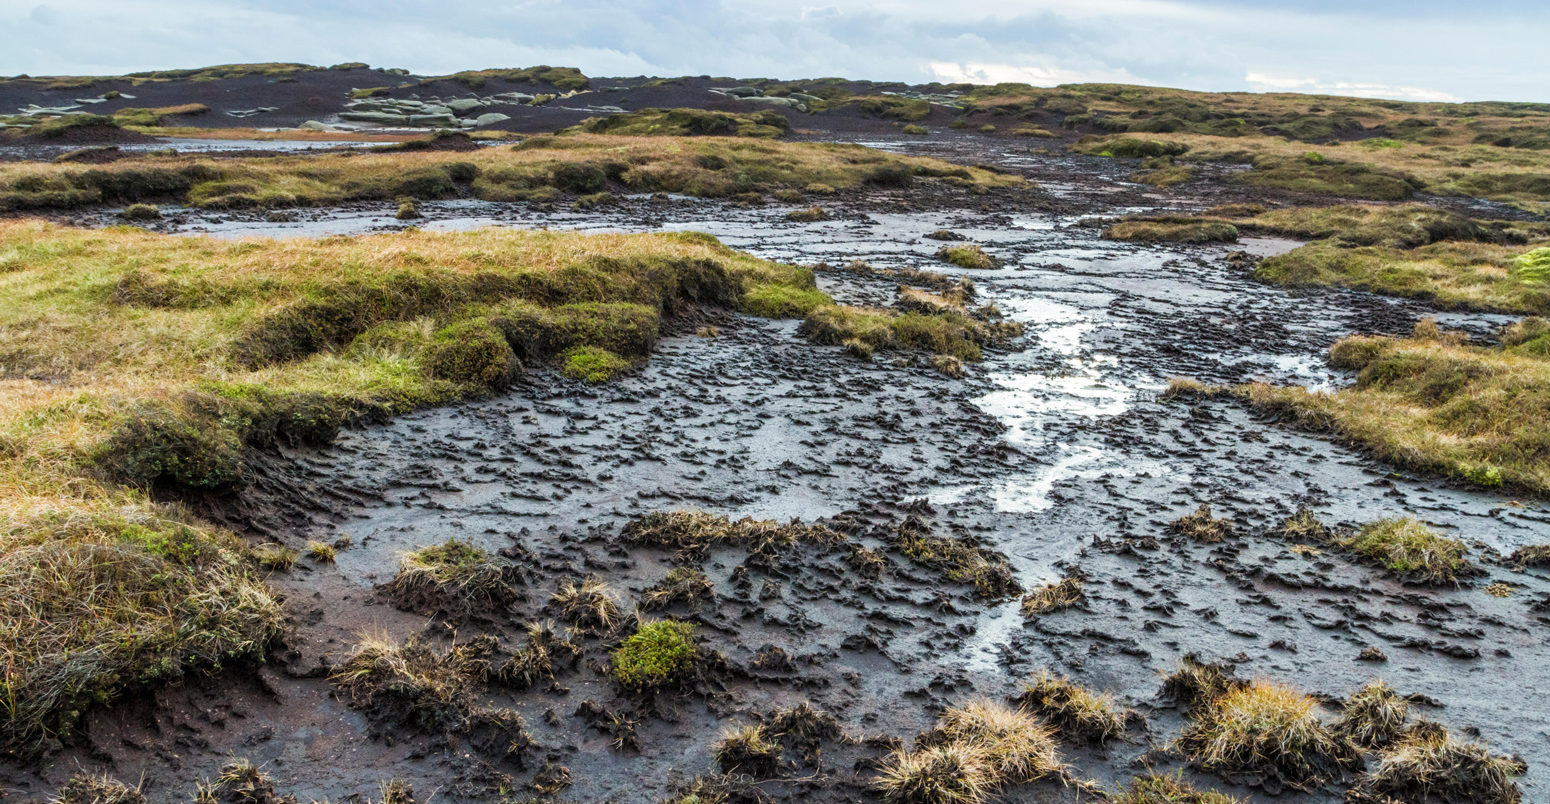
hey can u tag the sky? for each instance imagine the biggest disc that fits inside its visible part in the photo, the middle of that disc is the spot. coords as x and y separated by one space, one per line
1402 49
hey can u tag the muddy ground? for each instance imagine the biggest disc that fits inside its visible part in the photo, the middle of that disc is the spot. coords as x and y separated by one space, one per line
1056 452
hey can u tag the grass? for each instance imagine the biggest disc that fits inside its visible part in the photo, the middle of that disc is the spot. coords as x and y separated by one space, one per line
86 788
748 750
975 751
539 168
1156 788
1472 276
131 362
967 256
592 364
950 333
809 215
681 586
687 123
565 78
135 116
1062 594
958 558
453 576
693 533
1410 550
1374 716
659 654
589 605
1265 728
1143 231
1432 403
1197 684
1200 526
1429 764
1077 712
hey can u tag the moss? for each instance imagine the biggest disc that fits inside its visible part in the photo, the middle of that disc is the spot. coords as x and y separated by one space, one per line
472 353
592 364
657 655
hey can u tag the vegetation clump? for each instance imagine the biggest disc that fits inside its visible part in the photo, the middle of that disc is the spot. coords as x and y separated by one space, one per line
681 586
589 605
141 212
86 788
959 558
975 751
809 215
747 750
1062 594
1195 233
1076 711
953 333
1265 730
1200 526
1374 716
455 577
687 123
1156 788
1429 764
658 655
970 256
692 533
1196 684
1408 548
592 364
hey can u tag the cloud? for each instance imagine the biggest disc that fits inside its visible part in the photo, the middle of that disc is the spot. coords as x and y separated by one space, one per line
1260 82
1037 75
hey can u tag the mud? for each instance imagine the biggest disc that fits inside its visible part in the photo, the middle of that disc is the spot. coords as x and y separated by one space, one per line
1057 454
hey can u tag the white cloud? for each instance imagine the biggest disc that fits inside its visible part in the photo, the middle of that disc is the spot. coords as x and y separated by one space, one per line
1037 75
1262 82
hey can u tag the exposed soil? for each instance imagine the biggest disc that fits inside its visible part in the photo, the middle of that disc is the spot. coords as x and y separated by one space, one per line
1056 454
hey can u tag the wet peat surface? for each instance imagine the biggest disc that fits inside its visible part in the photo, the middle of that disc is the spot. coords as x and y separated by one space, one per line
1057 453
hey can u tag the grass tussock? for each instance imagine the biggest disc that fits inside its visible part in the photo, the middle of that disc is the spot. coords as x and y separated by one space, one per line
454 577
967 256
540 169
1265 730
975 751
1077 712
1156 788
589 605
682 586
101 788
1199 525
951 333
686 123
1435 404
958 558
693 533
1193 233
1196 684
1408 548
1429 764
1062 594
1374 716
747 750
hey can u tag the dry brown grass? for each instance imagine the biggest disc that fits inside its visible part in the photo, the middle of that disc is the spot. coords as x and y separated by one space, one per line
975 751
1428 764
1062 594
1078 712
1265 729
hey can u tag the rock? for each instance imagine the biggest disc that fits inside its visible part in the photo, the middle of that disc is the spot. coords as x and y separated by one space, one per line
490 118
312 125
379 118
803 97
462 106
512 97
432 120
786 102
739 92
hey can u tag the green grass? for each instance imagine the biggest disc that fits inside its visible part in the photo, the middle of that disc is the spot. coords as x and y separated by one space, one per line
131 360
1195 232
967 256
1434 404
1459 275
592 364
947 333
1411 550
539 169
686 123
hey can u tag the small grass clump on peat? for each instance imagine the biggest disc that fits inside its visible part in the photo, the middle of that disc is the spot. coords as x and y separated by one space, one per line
1199 525
1433 403
949 332
1156 788
588 604
687 123
454 577
1075 711
1374 716
1411 550
1428 764
1062 594
1452 274
959 558
967 256
1262 731
1162 231
975 751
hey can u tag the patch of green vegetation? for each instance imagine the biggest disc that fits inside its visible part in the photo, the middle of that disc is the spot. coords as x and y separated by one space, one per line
568 79
686 123
809 215
1411 550
454 577
1433 403
914 129
960 559
1329 177
1533 266
1465 275
1195 232
369 92
226 71
135 116
967 256
658 654
793 300
1129 147
591 364
1162 172
949 333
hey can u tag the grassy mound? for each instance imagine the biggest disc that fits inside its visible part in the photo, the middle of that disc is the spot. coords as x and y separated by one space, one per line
969 256
686 123
131 361
950 332
659 654
1429 764
1475 276
1077 712
453 576
1411 550
1432 403
1143 231
1265 730
975 751
540 169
